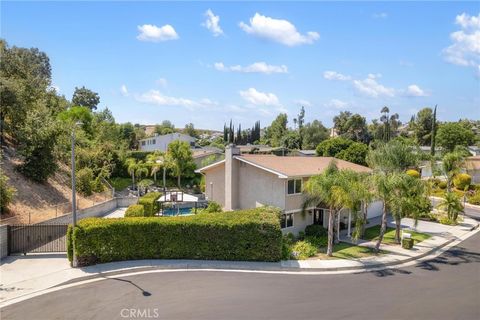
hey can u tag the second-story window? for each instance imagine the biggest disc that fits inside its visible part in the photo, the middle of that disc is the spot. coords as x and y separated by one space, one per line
294 186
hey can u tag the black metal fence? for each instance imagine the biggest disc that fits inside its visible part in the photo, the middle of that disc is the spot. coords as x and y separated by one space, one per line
25 238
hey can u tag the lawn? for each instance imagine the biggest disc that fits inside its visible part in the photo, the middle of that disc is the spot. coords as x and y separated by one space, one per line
389 237
120 183
344 250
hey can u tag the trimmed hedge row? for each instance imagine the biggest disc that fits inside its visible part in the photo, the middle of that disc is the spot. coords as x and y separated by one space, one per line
150 203
135 210
247 235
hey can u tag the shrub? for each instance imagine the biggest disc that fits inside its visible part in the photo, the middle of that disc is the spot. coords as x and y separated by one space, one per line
407 243
462 180
150 203
447 221
212 208
248 235
315 230
413 173
442 184
135 210
303 250
6 192
475 198
318 242
85 181
301 235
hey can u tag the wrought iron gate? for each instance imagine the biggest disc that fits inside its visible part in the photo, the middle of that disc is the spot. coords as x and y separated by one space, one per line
25 238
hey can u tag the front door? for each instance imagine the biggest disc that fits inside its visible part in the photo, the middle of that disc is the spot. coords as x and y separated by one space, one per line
318 216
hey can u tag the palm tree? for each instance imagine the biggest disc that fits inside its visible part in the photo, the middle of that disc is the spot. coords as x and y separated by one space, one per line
320 189
451 164
179 158
452 205
155 162
131 168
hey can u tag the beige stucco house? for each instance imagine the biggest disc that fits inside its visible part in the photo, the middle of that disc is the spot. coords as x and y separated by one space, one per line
243 181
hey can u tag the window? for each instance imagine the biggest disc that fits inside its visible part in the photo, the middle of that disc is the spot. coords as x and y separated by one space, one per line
153 141
294 186
286 220
143 143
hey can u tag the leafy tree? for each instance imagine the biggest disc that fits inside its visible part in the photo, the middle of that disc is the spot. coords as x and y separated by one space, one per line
292 140
190 130
77 114
6 192
423 126
180 160
451 164
351 126
333 146
274 134
86 98
165 127
313 134
85 181
356 153
452 134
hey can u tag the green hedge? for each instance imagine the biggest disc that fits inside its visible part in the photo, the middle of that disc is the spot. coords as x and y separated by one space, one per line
248 235
150 203
135 210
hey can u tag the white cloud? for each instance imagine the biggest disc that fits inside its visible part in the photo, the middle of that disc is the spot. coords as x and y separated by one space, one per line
302 102
152 33
124 90
257 67
212 23
380 15
162 82
255 97
337 104
465 49
278 30
371 88
415 91
158 98
333 75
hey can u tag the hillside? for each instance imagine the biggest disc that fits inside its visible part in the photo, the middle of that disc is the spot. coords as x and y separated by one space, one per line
40 201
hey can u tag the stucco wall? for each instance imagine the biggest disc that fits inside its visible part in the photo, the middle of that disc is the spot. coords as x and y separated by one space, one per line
162 142
257 187
215 181
374 209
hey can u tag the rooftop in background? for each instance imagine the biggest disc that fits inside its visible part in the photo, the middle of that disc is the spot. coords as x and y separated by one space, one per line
257 148
305 153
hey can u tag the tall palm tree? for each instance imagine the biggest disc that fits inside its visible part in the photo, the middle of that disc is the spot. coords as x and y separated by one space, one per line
155 162
131 168
320 189
452 205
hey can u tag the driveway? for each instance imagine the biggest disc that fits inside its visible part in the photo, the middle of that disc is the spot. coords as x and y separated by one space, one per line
446 287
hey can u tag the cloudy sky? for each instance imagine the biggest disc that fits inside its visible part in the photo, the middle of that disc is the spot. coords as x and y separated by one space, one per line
208 62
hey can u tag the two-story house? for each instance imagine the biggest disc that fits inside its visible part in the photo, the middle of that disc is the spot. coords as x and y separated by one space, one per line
243 181
160 143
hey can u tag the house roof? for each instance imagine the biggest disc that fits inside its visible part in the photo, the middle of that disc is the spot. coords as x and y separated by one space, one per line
291 166
199 153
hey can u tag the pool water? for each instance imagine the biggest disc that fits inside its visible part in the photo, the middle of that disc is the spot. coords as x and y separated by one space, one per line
174 212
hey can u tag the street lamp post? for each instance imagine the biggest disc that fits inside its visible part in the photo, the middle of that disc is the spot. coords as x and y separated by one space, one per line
74 195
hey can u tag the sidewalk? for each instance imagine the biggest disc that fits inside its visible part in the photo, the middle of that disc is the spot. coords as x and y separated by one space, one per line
22 276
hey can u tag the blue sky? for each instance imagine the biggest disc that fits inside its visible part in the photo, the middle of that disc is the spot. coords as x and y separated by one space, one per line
207 62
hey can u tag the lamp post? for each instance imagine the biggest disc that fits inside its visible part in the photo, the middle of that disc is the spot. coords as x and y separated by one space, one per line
74 195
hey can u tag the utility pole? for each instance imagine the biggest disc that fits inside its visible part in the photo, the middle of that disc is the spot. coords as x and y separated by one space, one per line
74 195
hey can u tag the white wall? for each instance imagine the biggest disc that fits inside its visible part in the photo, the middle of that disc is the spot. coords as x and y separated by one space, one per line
162 142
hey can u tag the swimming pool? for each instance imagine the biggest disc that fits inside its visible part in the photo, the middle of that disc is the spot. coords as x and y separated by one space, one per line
174 212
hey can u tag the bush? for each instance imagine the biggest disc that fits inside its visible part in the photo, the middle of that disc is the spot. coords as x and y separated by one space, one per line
150 203
301 235
303 250
475 198
85 181
247 235
442 184
6 192
318 242
135 210
462 180
211 208
315 230
407 243
413 173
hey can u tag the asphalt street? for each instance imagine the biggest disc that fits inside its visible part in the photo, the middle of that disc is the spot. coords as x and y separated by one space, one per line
447 287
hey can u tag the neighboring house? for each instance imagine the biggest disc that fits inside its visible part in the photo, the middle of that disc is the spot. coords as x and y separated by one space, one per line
206 156
149 130
304 153
243 181
262 149
472 166
160 143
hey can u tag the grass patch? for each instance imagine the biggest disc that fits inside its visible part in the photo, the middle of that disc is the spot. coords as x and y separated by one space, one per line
120 183
389 237
344 250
